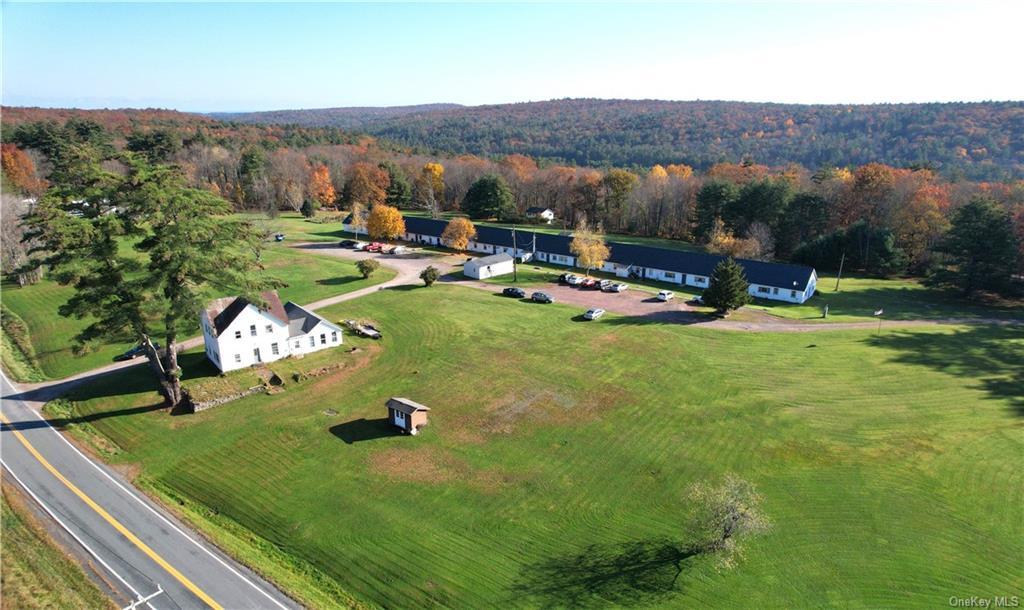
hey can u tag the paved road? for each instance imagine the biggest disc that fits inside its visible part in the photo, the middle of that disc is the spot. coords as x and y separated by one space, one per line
137 547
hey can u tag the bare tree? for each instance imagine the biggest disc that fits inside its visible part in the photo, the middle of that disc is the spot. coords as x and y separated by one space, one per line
14 252
288 172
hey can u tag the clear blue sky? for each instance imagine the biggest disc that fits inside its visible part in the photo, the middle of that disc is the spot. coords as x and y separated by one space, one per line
204 57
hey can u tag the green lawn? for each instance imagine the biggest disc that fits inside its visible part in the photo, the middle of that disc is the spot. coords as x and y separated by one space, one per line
297 228
309 277
36 573
554 469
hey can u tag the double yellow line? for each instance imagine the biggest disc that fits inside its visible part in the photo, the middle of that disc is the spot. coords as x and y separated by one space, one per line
188 584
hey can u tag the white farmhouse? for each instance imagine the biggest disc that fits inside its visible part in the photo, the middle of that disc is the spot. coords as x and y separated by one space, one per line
488 266
539 213
239 333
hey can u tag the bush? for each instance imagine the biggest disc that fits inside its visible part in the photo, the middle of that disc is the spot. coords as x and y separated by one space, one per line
430 275
367 266
18 333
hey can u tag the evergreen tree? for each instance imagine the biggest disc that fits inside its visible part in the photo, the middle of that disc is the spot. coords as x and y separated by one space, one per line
399 191
981 249
489 197
728 287
308 208
712 201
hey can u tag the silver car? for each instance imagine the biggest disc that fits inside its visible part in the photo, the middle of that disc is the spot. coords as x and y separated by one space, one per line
593 314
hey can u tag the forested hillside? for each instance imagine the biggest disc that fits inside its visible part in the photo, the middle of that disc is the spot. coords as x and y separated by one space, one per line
971 140
355 117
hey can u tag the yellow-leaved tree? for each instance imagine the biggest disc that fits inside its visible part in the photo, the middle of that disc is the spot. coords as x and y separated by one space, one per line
385 222
589 247
458 233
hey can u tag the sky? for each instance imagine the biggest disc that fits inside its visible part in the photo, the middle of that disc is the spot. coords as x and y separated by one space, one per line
239 56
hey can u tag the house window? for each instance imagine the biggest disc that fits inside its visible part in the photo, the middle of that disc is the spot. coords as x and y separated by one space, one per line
792 293
775 291
669 275
334 336
238 357
238 334
323 339
312 341
297 344
252 330
270 329
274 350
762 289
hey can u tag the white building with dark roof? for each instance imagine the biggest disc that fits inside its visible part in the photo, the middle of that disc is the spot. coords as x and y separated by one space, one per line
238 333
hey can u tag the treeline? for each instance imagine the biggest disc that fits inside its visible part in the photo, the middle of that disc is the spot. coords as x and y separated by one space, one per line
878 218
978 141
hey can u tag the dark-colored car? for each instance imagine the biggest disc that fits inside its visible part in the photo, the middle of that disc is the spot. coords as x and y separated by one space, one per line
564 278
541 297
279 237
134 353
512 291
347 243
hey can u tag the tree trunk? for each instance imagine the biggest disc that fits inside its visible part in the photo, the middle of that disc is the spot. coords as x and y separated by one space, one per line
157 366
172 373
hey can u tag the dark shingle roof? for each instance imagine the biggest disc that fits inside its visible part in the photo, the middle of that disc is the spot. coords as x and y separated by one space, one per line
223 312
301 321
779 275
536 210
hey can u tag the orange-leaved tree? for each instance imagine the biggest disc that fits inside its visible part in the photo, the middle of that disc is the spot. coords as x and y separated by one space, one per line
320 188
385 222
458 233
20 171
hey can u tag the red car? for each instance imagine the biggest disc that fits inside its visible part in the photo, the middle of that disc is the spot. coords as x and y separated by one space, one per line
589 283
375 247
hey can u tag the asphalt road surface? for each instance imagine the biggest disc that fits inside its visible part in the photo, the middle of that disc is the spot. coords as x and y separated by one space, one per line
137 547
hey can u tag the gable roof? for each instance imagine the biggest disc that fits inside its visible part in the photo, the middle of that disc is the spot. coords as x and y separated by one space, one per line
222 312
405 405
493 259
301 320
537 210
779 275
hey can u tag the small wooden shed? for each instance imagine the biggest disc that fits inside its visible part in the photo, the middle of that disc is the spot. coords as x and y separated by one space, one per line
407 415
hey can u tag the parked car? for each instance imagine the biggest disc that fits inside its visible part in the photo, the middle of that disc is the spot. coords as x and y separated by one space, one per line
593 314
364 330
360 246
541 297
347 243
564 278
697 300
279 237
666 295
374 247
134 352
590 283
512 291
574 280
604 284
620 287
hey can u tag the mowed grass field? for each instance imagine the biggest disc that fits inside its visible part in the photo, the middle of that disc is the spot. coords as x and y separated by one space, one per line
309 277
555 466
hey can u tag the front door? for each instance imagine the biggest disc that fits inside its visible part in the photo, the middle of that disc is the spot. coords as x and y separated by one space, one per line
400 419
256 355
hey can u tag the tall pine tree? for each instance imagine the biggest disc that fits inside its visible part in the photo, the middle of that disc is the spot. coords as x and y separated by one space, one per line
728 287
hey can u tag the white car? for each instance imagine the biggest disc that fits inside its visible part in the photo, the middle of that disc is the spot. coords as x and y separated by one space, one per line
360 245
665 295
574 280
593 314
620 287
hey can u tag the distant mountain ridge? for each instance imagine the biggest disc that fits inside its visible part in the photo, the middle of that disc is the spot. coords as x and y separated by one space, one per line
348 117
978 140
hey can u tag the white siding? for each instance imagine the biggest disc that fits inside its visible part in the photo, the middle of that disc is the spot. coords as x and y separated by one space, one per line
481 272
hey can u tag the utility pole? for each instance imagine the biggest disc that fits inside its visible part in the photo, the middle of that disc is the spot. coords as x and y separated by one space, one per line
840 274
515 257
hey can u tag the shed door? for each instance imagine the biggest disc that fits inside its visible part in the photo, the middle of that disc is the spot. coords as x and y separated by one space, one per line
400 419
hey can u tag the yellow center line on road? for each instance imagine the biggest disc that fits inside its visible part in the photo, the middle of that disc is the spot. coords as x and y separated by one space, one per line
188 584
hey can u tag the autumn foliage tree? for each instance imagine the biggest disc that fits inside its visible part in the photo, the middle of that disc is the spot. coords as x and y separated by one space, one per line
321 189
19 171
385 222
458 233
589 247
367 184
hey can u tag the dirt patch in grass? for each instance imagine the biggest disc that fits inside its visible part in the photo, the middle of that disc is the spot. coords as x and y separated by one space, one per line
421 465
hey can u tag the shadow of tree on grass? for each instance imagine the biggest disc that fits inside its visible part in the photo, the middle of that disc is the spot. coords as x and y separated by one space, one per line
990 355
630 574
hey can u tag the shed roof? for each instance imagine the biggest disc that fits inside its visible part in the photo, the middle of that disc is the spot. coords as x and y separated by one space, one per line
780 275
493 259
404 405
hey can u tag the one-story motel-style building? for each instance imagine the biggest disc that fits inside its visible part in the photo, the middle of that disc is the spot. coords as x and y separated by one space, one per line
775 281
